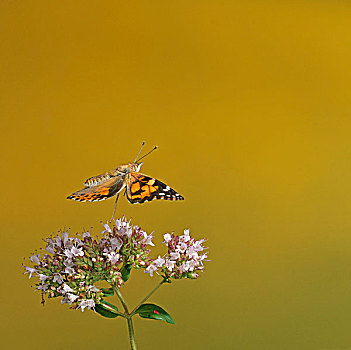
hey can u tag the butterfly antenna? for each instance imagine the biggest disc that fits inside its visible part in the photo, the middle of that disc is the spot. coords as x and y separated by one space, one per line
142 145
145 155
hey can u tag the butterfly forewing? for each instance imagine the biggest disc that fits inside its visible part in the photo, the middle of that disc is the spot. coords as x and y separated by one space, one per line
142 188
104 190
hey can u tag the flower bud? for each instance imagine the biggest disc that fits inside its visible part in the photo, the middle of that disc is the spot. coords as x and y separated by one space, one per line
193 275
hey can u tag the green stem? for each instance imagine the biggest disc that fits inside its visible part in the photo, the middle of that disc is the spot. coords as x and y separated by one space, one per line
128 317
131 334
120 296
148 296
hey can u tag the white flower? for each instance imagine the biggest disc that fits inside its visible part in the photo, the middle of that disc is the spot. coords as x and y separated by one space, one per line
50 242
170 264
188 266
86 234
192 253
182 247
192 265
159 262
107 228
64 237
43 277
118 223
151 269
174 255
58 278
69 298
35 259
50 249
113 257
198 245
202 257
68 262
72 297
93 289
30 270
68 253
66 288
148 238
69 270
124 228
89 303
186 237
128 231
185 266
43 287
167 237
78 242
58 241
116 243
69 266
77 251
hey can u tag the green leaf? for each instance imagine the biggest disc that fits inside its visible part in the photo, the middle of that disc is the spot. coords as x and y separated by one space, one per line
154 312
108 292
106 309
126 271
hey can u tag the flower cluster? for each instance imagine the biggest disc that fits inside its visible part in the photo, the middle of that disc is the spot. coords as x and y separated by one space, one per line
182 260
70 266
133 242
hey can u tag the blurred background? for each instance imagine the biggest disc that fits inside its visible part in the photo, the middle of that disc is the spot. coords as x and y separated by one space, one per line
249 103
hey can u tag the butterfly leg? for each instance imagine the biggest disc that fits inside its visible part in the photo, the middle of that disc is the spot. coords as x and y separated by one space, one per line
114 211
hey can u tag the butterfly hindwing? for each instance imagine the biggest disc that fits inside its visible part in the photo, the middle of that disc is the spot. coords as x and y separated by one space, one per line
142 188
100 192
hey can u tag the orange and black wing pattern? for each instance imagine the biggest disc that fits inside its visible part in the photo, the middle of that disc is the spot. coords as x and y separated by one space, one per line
99 192
142 188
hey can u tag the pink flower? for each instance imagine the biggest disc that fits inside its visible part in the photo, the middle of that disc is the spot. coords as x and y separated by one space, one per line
107 228
148 238
35 259
167 238
151 269
159 262
87 303
50 249
30 270
170 265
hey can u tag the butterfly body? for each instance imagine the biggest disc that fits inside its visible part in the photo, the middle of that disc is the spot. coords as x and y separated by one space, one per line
139 187
121 171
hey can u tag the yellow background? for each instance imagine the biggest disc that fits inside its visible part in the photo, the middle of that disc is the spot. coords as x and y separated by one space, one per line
250 105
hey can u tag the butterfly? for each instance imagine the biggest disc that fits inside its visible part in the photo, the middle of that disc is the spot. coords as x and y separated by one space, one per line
139 188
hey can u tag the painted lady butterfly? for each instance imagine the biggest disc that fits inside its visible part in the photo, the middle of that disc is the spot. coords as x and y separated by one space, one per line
139 188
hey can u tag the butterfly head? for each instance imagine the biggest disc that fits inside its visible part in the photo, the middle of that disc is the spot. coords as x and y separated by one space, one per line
135 166
127 168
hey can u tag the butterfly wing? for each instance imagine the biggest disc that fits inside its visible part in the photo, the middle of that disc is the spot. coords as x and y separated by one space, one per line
100 192
142 188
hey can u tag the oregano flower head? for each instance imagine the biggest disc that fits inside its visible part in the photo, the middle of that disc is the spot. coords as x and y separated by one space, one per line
69 267
73 268
183 260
